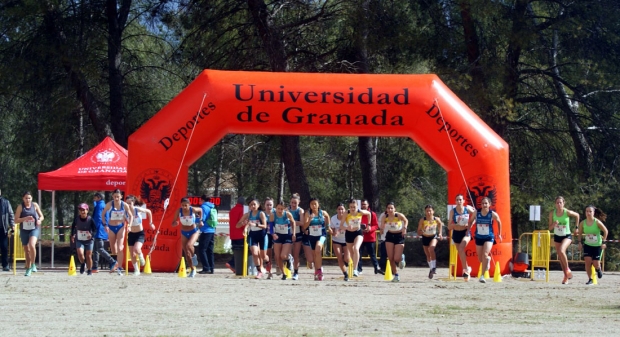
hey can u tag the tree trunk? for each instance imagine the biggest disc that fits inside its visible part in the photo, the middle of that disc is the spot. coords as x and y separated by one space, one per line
218 171
117 17
294 168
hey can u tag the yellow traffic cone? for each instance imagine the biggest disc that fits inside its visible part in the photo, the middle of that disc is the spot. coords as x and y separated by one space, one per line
388 271
72 271
480 270
182 271
147 265
594 278
497 275
350 269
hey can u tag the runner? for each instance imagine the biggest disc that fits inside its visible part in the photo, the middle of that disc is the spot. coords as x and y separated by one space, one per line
316 222
430 228
188 216
269 210
394 227
352 221
30 218
298 214
459 220
82 231
256 222
591 227
284 224
339 245
135 238
485 237
119 211
559 223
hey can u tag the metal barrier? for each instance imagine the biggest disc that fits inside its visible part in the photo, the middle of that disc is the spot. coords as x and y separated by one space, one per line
328 254
541 252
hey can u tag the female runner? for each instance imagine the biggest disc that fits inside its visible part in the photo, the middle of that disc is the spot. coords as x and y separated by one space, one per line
256 222
459 219
284 227
119 211
485 237
298 214
352 221
394 225
430 228
269 210
188 216
339 245
316 222
135 238
591 228
29 215
559 223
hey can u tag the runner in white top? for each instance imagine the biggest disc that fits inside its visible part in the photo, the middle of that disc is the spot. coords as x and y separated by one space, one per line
120 212
298 214
136 236
458 225
339 245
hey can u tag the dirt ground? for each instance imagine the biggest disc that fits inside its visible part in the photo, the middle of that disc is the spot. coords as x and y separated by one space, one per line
51 303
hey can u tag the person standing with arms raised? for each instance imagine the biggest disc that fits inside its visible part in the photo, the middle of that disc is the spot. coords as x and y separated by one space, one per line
236 234
30 216
369 243
7 218
559 224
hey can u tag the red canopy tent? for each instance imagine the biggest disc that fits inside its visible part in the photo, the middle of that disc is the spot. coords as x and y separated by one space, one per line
104 167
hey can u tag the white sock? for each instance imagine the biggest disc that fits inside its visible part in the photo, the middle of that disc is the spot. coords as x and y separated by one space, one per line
434 264
430 264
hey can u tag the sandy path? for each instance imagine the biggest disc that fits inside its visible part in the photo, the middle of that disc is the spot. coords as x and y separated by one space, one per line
51 303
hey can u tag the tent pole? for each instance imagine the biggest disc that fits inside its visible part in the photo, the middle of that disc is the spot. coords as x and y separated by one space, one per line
53 223
41 230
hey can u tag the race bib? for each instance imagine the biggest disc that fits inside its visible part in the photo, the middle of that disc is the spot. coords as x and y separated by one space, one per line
462 220
187 220
83 235
356 223
29 225
592 238
341 235
316 230
282 229
560 230
117 215
395 226
482 229
430 229
254 226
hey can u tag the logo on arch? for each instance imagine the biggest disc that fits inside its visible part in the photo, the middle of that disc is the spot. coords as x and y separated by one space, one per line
479 187
107 156
155 186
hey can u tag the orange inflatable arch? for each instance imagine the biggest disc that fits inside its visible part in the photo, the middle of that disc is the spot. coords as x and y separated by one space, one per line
217 103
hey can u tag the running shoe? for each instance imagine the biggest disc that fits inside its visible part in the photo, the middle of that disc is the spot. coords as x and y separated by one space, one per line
482 280
89 272
94 271
465 276
278 272
430 274
434 270
136 269
599 273
359 272
113 266
34 268
396 278
565 280
402 264
569 274
191 273
379 271
120 271
346 276
589 283
204 271
320 277
230 267
316 275
142 262
28 272
283 277
269 276
290 262
259 275
295 276
82 267
356 273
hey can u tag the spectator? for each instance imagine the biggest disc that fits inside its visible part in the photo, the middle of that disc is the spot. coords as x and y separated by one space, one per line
7 219
101 235
370 238
206 240
236 234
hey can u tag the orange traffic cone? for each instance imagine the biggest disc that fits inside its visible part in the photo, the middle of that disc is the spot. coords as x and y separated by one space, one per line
72 271
182 271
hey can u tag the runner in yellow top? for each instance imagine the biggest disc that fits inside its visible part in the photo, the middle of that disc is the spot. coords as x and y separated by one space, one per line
591 228
559 224
352 222
430 228
395 224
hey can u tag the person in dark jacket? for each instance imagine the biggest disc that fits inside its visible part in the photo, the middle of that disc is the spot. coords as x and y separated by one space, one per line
370 238
7 224
83 230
